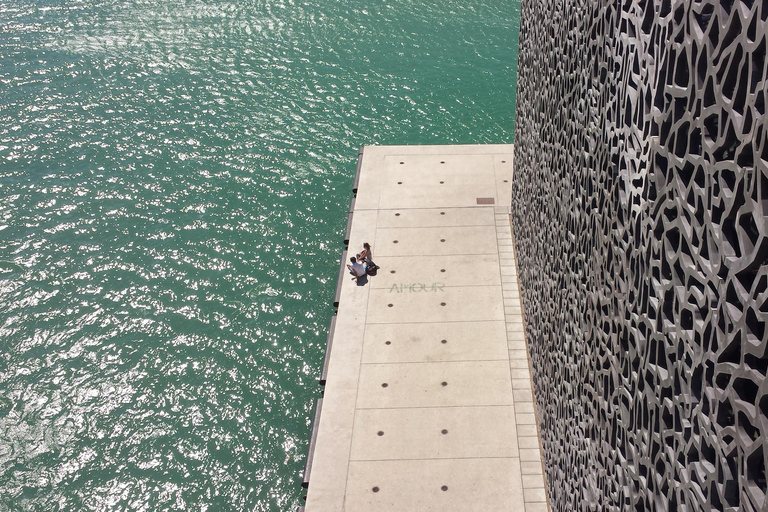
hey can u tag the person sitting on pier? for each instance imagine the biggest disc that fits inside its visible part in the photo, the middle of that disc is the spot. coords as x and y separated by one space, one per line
357 269
367 256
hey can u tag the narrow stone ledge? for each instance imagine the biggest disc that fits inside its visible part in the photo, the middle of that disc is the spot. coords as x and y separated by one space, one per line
538 495
527 442
525 418
533 481
518 354
530 455
518 363
522 395
516 344
518 384
525 408
521 373
527 431
530 467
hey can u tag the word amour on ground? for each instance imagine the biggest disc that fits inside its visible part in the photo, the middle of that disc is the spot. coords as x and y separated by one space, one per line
417 288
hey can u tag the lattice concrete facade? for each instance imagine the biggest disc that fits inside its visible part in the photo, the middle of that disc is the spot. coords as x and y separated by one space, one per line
640 209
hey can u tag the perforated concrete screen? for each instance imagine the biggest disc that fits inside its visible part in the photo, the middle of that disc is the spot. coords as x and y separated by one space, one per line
639 213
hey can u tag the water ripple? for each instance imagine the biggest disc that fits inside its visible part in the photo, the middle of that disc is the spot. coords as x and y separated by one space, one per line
173 178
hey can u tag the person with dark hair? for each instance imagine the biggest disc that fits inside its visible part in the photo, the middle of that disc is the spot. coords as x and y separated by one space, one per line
357 269
367 256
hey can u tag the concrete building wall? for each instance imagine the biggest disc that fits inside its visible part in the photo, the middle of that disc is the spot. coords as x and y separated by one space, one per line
640 215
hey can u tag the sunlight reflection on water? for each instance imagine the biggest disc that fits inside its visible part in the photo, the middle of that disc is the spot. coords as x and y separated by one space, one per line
173 185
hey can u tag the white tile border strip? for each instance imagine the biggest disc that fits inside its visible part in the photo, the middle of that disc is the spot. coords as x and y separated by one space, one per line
531 462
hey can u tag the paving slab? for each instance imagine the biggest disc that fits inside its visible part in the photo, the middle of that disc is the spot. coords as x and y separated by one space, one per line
440 485
434 384
452 270
436 217
436 432
417 242
434 302
428 402
435 341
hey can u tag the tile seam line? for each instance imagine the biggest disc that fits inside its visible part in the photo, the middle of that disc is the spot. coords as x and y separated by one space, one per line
499 221
393 256
357 393
450 149
441 362
446 361
542 458
427 208
421 254
433 458
434 407
499 225
498 285
439 322
444 207
435 227
445 286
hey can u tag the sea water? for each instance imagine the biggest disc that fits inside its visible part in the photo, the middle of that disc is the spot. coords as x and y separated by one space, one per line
174 179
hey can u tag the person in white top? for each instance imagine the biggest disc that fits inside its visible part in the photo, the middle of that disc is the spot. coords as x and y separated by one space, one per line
357 269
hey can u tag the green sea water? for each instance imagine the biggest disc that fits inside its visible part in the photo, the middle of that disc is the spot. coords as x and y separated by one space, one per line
174 178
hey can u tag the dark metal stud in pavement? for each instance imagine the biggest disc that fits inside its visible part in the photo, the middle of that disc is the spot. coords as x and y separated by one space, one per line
397 215
443 341
442 270
390 305
442 239
444 431
375 489
384 384
442 303
444 488
387 342
443 383
380 433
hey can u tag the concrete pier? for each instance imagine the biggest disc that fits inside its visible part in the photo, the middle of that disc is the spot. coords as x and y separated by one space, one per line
428 402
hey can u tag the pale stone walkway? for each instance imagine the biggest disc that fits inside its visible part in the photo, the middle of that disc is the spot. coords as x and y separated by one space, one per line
428 402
